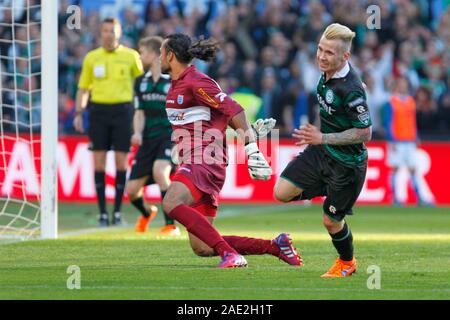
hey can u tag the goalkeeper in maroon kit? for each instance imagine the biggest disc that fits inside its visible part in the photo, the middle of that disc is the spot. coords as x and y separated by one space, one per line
199 113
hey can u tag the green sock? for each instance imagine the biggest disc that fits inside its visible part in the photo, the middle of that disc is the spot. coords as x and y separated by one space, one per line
166 216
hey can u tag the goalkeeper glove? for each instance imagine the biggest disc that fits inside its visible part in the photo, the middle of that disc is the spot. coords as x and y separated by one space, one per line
262 127
258 167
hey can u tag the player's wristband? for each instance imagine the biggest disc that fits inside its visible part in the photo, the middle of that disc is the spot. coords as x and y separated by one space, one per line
251 148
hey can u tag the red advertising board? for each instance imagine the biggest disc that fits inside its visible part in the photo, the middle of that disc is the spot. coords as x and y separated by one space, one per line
19 173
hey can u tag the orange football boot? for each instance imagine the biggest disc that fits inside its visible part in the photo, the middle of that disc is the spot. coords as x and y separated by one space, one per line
341 269
170 230
143 222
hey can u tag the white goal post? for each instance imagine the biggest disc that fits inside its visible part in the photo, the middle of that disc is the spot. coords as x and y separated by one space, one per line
28 119
49 119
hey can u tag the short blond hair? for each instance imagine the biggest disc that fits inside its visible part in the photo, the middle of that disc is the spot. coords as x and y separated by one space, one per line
338 31
153 43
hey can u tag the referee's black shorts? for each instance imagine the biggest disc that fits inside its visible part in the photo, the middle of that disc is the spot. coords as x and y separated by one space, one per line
110 126
318 174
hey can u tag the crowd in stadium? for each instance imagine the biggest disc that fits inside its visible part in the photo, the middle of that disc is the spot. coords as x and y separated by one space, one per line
268 52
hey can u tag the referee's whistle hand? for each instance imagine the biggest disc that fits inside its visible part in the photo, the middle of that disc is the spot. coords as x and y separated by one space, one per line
78 123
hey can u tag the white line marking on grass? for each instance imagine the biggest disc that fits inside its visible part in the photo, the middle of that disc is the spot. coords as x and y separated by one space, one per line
80 232
9 241
68 234
252 289
225 213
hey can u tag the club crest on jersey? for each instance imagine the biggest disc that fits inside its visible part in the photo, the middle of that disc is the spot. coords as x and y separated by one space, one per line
329 96
180 99
364 118
332 209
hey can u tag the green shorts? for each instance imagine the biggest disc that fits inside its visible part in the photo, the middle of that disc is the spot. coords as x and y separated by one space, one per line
151 150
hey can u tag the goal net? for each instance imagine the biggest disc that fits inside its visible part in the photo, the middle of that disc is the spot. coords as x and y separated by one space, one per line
28 118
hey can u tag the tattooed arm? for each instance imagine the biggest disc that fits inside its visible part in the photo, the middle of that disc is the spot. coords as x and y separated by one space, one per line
350 136
310 134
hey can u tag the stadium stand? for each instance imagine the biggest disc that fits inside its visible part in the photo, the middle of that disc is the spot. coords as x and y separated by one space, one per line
280 36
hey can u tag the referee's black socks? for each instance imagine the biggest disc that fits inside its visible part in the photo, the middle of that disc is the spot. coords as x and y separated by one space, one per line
121 179
99 177
343 242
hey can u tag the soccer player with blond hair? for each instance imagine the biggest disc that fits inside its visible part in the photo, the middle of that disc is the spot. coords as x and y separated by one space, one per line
334 162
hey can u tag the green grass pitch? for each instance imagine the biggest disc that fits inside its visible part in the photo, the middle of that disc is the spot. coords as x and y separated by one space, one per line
411 246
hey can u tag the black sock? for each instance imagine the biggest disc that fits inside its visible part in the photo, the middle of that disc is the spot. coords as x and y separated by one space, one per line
343 242
139 204
166 216
99 177
121 177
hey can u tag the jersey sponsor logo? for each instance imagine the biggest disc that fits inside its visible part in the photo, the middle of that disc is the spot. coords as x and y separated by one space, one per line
210 100
180 99
154 97
329 96
189 115
326 107
178 116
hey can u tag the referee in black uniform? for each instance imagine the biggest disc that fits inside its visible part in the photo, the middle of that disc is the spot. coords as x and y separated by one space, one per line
106 89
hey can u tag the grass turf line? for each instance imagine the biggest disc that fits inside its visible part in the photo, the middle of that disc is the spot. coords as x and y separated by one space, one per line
410 245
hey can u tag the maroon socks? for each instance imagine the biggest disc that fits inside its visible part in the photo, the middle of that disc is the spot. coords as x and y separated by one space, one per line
199 226
250 246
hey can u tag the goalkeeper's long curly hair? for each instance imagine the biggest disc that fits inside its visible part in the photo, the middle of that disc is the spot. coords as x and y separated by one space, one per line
186 50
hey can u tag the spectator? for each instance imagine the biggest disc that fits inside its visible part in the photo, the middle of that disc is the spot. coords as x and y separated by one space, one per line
444 111
427 117
401 132
131 26
29 106
376 98
8 110
267 63
414 42
226 65
270 94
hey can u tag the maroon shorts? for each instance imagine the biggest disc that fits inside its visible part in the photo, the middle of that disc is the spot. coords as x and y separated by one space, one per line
204 186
